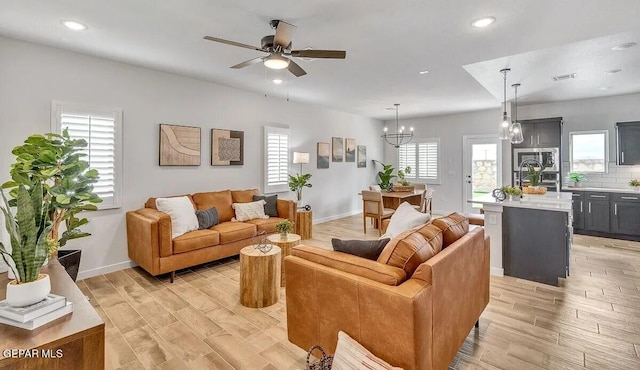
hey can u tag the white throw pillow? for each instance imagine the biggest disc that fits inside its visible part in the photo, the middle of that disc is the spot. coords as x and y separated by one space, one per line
249 211
351 355
404 218
183 215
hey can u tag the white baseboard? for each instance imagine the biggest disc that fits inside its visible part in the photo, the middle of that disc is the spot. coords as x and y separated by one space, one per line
105 269
497 272
335 217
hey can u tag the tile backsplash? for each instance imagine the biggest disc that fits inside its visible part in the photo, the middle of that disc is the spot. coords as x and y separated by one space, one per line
617 178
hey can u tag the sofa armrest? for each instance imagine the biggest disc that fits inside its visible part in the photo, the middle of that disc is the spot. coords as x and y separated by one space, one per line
369 269
142 241
287 209
165 244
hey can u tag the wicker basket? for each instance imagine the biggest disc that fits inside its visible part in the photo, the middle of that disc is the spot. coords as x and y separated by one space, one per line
324 363
534 190
400 188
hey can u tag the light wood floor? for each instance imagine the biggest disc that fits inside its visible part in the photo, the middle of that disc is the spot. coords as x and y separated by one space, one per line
592 320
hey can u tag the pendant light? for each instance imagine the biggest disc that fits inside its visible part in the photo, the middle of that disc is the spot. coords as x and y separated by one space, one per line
400 137
504 131
516 128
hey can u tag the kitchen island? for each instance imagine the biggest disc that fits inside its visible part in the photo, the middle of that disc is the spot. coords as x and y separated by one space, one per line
531 237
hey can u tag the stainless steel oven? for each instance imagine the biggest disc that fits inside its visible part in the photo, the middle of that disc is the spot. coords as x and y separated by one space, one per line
542 155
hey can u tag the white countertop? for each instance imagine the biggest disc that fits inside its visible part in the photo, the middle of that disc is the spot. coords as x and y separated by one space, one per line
551 201
606 190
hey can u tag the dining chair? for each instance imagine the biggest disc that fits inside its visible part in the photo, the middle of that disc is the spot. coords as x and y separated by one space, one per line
372 206
419 186
427 202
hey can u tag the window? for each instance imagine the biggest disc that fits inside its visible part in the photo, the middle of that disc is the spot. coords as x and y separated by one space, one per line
422 156
588 151
276 146
102 130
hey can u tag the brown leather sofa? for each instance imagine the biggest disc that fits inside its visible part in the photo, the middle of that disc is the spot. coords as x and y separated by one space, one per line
149 232
413 307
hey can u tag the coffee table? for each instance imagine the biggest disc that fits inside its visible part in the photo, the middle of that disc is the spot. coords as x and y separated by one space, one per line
259 276
290 241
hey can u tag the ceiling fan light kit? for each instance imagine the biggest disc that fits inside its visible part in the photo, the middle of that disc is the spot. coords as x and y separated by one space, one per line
504 129
274 61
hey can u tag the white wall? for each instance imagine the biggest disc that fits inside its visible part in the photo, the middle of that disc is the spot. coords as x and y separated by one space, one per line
588 114
31 76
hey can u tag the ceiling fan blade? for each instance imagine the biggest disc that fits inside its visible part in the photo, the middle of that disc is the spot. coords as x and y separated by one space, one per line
329 54
296 69
283 34
248 63
232 43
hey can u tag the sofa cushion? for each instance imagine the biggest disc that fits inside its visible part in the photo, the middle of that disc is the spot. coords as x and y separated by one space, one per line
195 240
268 225
207 218
249 211
453 226
183 216
369 249
404 218
219 199
412 247
271 205
244 196
233 231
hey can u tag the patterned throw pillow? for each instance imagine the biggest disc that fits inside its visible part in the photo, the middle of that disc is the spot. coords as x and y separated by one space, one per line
271 207
207 218
249 211
351 355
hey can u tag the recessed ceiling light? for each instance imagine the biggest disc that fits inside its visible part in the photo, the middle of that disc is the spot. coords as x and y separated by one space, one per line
604 87
624 46
483 22
423 72
73 25
612 71
277 81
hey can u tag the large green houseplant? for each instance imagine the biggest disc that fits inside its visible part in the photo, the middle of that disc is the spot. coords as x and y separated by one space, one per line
55 161
299 182
385 176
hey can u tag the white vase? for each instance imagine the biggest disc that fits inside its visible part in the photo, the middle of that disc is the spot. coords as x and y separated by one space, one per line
20 295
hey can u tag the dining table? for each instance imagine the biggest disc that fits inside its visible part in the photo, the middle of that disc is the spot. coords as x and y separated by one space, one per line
393 199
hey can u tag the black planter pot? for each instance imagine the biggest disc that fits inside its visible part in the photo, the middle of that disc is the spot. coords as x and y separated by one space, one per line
70 260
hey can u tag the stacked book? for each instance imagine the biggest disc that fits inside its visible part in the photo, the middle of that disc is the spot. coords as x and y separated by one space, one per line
37 314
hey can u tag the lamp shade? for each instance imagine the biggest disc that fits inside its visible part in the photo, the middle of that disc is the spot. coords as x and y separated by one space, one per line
300 158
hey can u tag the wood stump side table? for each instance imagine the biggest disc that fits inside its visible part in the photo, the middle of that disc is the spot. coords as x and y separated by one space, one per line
259 276
285 245
304 224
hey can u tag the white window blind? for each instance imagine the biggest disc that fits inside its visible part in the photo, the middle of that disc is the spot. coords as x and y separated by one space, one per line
101 129
423 157
276 159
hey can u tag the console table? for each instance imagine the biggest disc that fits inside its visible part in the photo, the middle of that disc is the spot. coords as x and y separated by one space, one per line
79 335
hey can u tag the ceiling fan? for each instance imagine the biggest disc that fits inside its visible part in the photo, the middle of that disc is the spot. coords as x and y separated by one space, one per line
279 48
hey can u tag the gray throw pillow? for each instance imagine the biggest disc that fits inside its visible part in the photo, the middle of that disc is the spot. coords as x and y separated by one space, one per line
207 218
271 205
369 249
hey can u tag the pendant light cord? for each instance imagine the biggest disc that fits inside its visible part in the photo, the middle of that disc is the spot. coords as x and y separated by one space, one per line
504 102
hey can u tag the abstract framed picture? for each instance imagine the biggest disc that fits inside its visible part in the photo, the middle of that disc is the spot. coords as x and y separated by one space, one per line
362 156
227 147
179 145
323 155
350 150
337 149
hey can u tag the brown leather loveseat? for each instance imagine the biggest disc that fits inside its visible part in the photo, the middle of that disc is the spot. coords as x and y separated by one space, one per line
149 232
413 307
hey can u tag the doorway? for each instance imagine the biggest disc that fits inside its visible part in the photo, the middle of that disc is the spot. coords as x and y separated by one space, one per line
482 168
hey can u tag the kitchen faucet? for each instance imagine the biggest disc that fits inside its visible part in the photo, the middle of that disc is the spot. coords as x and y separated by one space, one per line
525 163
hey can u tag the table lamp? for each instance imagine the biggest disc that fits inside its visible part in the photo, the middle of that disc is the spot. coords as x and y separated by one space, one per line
300 158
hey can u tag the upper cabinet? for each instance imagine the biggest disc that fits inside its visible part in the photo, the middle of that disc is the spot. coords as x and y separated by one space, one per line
628 143
541 133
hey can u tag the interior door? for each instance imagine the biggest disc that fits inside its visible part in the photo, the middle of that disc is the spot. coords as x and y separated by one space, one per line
482 168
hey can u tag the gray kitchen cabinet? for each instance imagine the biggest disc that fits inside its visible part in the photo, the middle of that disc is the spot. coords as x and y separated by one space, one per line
541 133
627 142
614 215
597 217
578 211
625 214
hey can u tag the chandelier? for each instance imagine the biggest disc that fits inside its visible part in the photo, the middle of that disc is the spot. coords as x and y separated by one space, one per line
400 137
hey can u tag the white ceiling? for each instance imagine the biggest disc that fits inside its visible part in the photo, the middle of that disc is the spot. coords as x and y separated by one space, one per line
387 45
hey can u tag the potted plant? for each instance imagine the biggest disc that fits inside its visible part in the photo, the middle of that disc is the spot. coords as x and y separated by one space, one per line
513 192
55 161
635 184
402 176
385 176
29 229
297 183
284 227
577 179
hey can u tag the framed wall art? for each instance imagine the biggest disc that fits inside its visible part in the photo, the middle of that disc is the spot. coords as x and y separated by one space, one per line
362 156
350 150
337 149
179 145
323 155
227 147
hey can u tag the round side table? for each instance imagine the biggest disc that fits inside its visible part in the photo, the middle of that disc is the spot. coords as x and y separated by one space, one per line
259 276
285 244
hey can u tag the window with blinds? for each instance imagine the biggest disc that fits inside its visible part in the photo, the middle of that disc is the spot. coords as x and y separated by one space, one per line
276 174
101 130
423 158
